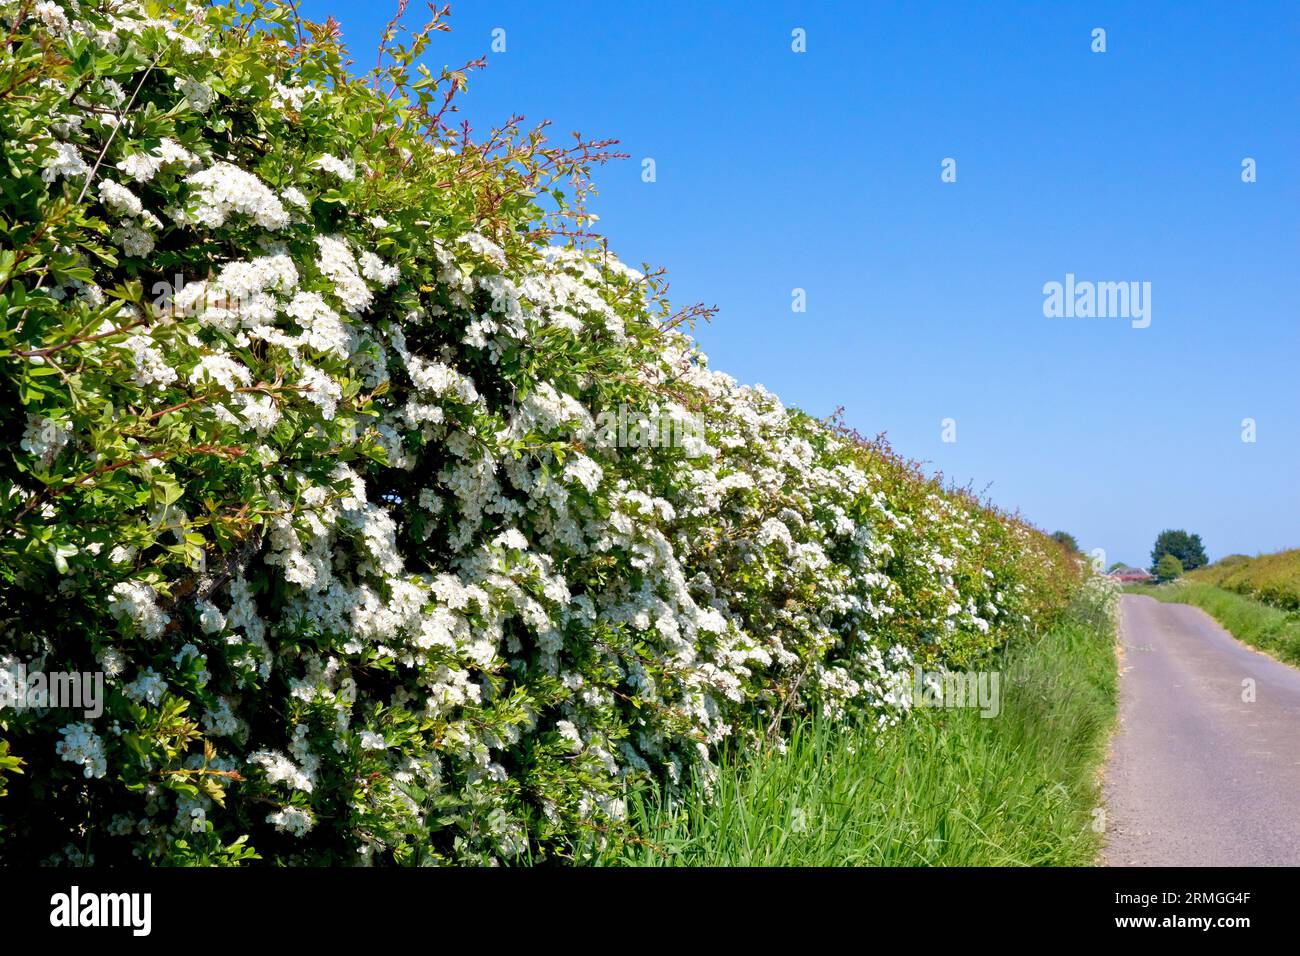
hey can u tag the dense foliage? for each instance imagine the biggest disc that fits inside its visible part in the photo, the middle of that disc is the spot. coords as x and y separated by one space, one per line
1066 540
1187 548
1168 568
949 788
307 401
1272 578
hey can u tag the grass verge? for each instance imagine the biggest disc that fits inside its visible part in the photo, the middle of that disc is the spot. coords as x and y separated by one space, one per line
1271 578
945 788
1271 629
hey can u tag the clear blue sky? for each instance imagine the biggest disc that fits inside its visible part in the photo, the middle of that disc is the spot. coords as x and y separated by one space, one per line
821 170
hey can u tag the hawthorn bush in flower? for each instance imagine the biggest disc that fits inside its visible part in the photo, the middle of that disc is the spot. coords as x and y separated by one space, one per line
328 512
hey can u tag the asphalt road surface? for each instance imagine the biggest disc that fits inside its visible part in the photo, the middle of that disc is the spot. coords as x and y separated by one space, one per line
1200 775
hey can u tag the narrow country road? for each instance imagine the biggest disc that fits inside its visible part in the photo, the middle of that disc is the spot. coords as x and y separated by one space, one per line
1201 775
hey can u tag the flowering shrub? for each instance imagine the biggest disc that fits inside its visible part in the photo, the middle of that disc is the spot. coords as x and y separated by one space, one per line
327 511
1096 603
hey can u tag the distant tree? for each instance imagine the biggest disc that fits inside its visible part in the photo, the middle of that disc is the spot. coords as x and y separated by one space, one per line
1168 568
1066 539
1116 566
1187 548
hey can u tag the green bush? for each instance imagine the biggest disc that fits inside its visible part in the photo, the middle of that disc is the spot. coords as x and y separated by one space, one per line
949 788
1168 568
403 528
1272 578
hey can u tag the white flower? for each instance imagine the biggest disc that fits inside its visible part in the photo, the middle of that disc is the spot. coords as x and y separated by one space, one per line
104 39
119 199
321 390
280 769
323 330
141 167
484 247
569 733
199 95
292 820
211 620
336 262
377 271
173 153
372 741
773 531
152 367
136 602
221 370
260 413
223 190
332 164
148 688
45 438
112 92
291 97
511 539
113 661
66 162
220 721
584 471
81 745
184 655
242 281
133 240
51 16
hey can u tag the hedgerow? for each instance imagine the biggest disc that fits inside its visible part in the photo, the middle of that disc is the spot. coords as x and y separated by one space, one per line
1272 578
301 391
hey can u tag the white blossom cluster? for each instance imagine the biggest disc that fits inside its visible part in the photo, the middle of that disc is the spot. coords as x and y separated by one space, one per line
361 529
223 190
81 745
44 438
138 603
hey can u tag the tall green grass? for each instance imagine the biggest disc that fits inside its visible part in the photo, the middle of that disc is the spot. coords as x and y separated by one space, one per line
1271 629
1271 578
945 788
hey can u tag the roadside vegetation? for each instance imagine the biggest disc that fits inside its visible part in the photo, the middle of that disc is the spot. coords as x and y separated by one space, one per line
340 515
1271 578
1168 568
1269 628
946 787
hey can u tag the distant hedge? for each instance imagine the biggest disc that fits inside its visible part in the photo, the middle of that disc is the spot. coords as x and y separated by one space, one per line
405 522
1272 578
